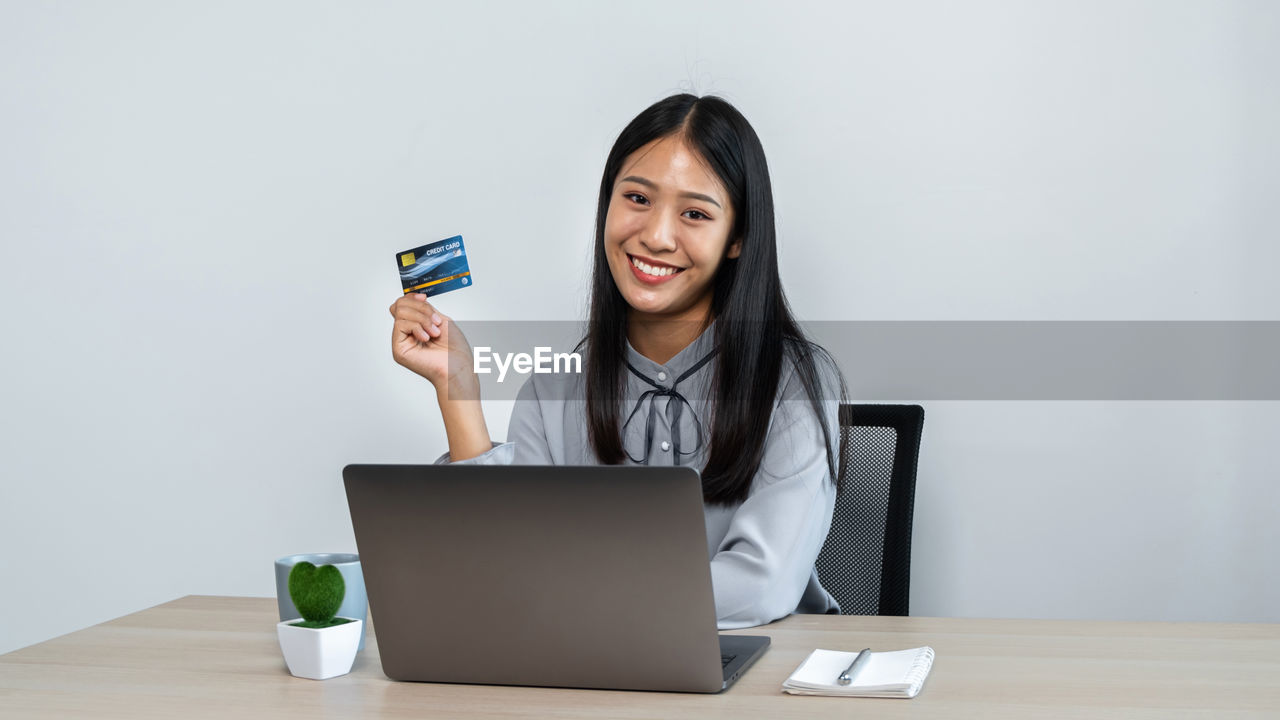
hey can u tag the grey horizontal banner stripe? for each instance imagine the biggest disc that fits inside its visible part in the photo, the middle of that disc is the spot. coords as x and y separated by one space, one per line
996 360
1037 360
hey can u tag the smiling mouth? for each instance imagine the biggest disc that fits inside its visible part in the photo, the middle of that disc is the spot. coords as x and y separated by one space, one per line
657 271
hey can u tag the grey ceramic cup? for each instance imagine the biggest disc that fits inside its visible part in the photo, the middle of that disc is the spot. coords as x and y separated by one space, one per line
354 605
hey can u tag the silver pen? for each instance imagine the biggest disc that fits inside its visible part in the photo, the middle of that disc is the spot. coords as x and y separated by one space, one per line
846 677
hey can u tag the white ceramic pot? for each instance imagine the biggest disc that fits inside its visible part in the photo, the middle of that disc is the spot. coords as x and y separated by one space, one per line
319 654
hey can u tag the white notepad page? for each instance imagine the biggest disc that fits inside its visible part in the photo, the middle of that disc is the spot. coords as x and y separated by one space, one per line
899 673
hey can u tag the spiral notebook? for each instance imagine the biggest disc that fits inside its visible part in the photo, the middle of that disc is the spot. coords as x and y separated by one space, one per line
895 674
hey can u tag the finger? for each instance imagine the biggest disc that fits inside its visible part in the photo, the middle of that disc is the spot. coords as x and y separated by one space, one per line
412 311
419 302
395 305
436 316
409 328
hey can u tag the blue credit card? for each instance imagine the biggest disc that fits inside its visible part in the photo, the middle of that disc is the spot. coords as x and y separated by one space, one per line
434 268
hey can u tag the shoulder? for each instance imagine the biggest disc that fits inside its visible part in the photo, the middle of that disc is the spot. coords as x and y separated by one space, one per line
810 391
804 438
808 366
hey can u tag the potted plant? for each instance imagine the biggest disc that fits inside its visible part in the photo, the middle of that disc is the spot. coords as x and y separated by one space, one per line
318 646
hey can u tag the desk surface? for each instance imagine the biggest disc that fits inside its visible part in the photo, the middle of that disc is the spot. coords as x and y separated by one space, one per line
218 657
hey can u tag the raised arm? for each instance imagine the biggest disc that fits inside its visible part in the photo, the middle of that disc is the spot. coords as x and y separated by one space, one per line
526 436
430 344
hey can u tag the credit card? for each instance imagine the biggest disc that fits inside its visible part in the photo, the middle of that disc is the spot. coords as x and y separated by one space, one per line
434 268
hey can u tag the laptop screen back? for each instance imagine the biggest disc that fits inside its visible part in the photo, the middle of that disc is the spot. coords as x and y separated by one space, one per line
538 575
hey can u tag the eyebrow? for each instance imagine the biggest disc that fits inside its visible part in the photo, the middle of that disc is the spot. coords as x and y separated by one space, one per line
651 184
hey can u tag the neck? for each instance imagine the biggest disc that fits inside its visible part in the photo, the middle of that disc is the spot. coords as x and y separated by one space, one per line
661 338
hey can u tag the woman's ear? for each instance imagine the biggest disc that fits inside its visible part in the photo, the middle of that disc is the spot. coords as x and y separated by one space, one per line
735 249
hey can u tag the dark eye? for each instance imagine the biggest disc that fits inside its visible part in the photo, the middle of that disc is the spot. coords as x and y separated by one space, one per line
629 196
699 214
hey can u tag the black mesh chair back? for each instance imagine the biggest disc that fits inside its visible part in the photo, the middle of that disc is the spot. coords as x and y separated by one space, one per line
866 561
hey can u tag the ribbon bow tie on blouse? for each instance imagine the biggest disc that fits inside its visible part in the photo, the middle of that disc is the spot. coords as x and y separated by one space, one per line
675 408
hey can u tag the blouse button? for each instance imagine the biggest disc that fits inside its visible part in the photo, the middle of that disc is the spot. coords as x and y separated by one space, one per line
662 376
665 446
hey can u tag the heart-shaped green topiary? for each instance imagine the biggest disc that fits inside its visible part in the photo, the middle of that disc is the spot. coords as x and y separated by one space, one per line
317 592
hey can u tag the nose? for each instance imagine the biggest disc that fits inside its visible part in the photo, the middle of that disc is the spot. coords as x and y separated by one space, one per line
659 232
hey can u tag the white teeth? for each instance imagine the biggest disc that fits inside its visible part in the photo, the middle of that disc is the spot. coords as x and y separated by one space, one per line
651 270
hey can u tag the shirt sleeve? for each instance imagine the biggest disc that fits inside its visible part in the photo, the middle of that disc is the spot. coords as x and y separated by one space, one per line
762 567
526 436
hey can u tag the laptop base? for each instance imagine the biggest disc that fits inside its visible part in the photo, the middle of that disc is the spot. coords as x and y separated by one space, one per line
743 651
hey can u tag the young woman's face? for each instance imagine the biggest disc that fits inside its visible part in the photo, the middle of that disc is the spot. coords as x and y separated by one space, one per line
667 231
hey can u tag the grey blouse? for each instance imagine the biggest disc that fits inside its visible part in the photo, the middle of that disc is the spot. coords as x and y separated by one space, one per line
763 549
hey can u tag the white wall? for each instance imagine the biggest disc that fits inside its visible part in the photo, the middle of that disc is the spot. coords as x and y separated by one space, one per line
199 206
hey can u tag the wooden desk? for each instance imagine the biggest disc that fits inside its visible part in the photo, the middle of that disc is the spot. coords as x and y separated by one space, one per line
218 657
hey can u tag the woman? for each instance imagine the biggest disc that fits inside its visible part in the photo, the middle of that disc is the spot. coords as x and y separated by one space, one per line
692 358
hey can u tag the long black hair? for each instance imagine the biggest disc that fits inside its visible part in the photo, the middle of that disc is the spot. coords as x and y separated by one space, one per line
754 326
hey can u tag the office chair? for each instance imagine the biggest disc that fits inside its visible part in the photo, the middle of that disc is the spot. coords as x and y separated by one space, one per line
866 560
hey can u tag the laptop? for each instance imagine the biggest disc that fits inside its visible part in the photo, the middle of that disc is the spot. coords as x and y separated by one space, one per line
546 575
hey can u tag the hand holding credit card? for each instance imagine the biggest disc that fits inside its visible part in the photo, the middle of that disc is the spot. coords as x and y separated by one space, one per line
424 339
434 268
